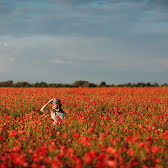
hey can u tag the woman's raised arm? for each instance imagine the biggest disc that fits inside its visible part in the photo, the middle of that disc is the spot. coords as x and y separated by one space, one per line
46 111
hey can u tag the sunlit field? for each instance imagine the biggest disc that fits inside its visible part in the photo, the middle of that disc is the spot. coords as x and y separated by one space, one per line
104 127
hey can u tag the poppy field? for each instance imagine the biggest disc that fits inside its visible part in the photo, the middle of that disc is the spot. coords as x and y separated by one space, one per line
116 127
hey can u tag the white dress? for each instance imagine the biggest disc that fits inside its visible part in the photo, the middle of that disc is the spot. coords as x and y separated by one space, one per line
55 114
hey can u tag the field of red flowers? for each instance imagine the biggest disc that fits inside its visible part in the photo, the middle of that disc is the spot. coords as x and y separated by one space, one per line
104 127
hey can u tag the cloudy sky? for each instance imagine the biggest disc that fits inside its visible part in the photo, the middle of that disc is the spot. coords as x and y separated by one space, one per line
116 41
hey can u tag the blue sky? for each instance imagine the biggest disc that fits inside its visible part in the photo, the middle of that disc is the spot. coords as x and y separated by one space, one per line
95 40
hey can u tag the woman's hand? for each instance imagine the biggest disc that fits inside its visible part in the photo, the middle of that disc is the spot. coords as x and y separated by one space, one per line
50 101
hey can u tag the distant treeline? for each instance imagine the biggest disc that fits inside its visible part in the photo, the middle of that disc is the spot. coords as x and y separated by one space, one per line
79 83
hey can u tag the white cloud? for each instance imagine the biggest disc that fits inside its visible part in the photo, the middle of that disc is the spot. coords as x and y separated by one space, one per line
2 69
152 65
12 59
59 61
140 65
5 44
162 62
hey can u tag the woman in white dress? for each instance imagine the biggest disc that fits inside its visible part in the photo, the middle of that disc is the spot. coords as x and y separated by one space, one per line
56 112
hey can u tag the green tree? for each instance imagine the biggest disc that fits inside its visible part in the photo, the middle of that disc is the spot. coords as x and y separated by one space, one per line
52 85
81 83
40 84
22 84
6 83
155 84
164 84
102 84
